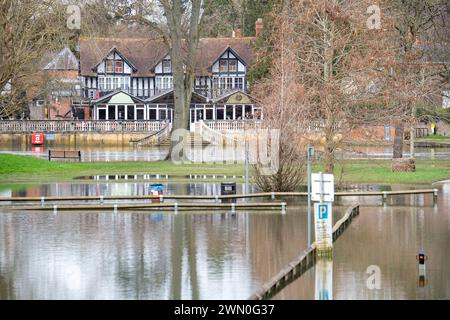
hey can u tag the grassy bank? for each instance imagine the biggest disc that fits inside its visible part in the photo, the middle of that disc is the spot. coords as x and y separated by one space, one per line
436 137
379 171
437 140
26 169
15 168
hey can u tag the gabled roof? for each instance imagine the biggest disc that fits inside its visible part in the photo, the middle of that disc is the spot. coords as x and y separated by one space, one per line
109 96
142 53
210 49
63 60
227 95
234 53
114 50
158 62
145 54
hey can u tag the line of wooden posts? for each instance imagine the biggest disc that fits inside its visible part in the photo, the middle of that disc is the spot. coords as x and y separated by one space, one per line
217 198
302 263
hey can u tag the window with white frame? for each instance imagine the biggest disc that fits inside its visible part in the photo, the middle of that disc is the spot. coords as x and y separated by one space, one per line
228 83
101 83
239 83
101 112
108 83
113 83
164 83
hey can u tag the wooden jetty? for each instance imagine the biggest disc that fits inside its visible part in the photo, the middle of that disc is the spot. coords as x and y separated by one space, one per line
173 206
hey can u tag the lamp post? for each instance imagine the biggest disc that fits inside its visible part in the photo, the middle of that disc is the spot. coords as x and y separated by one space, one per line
309 154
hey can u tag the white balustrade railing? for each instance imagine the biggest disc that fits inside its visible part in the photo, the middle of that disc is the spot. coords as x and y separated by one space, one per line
242 125
221 126
233 125
157 137
61 126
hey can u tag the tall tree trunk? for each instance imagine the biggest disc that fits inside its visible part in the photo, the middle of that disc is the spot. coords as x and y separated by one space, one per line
328 77
329 159
398 141
183 69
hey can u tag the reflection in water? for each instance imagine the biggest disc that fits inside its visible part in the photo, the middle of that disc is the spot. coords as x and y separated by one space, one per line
324 279
95 153
123 177
120 189
209 153
89 255
131 256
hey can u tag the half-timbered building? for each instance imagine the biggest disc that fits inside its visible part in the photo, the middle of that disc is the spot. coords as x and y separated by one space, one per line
131 79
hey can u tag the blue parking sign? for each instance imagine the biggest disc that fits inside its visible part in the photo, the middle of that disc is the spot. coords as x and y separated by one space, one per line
323 211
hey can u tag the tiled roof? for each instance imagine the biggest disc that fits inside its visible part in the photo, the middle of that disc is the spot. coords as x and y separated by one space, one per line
145 54
63 60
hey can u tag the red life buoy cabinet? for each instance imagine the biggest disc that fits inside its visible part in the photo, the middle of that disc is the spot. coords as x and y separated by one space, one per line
37 139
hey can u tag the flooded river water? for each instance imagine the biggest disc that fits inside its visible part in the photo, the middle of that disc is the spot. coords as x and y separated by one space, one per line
214 254
208 154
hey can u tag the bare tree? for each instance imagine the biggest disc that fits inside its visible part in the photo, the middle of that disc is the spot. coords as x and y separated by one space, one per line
334 60
28 29
413 79
178 23
282 97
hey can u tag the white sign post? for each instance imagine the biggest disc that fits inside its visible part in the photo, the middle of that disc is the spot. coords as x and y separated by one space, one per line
322 187
323 226
323 192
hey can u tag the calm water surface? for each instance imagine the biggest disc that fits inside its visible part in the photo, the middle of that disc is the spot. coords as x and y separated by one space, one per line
215 255
207 154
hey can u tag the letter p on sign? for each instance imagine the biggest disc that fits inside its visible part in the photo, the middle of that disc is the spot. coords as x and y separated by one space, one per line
323 212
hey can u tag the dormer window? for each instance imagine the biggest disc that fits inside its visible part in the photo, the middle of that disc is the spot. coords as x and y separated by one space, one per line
167 66
114 66
228 65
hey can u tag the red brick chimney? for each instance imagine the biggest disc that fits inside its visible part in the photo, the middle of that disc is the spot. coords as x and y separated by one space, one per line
259 26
